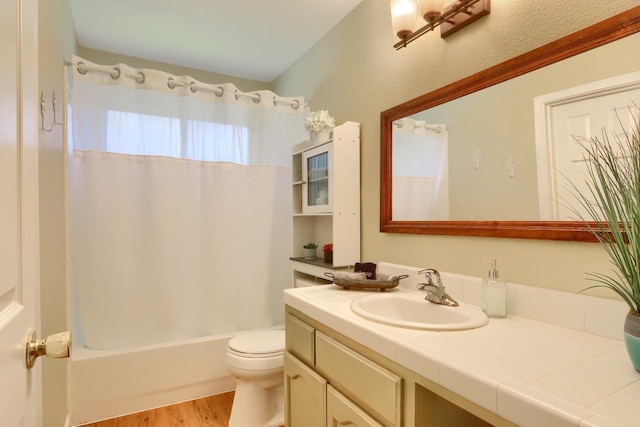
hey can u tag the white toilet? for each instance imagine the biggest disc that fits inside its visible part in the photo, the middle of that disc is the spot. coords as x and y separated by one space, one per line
256 360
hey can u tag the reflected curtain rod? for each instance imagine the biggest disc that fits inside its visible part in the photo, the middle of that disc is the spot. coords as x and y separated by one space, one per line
140 78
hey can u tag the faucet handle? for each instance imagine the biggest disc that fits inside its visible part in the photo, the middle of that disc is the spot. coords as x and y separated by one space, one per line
428 274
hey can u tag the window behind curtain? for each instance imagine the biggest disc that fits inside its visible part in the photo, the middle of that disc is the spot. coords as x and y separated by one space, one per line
130 133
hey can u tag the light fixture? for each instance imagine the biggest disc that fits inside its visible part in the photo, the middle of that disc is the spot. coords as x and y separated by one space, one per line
406 13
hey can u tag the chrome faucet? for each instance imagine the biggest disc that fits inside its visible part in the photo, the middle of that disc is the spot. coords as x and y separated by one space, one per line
435 289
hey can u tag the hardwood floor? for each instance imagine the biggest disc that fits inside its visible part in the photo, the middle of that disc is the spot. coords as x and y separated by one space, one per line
212 411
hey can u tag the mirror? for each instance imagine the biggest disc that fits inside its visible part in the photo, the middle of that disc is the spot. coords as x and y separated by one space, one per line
463 159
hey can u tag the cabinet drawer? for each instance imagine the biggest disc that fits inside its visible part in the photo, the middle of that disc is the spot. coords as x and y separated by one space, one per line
341 411
371 386
299 339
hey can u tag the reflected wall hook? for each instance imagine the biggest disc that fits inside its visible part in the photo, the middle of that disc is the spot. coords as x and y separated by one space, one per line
477 158
512 165
43 112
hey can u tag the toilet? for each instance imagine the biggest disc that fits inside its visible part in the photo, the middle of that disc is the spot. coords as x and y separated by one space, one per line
256 360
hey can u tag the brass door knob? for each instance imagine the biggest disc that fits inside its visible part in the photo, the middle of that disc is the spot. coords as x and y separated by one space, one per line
55 346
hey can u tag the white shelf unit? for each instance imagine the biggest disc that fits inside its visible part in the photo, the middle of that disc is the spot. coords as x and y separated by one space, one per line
336 220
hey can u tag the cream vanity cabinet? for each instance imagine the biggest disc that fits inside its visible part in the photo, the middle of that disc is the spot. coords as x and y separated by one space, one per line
332 380
329 384
326 203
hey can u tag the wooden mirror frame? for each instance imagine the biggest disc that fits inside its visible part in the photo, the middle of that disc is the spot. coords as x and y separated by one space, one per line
604 32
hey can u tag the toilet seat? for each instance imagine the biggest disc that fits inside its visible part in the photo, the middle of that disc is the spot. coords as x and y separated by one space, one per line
262 344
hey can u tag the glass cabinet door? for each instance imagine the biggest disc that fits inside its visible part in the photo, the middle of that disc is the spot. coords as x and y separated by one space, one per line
317 183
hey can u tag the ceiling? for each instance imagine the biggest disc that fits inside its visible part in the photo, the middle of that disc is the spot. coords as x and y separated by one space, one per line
253 39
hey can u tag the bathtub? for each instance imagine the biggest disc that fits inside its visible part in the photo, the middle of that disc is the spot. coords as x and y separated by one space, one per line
107 384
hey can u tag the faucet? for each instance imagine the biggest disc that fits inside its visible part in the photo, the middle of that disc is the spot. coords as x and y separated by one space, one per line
435 289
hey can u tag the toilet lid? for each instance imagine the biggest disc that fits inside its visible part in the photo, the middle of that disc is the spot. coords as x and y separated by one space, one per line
262 343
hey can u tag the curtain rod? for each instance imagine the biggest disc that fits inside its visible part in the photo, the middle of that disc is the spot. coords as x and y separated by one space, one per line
140 78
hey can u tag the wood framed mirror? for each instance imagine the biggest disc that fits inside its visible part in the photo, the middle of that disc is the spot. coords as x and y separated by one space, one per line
597 35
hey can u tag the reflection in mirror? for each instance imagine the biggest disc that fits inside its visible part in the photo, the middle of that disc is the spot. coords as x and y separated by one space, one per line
420 171
481 174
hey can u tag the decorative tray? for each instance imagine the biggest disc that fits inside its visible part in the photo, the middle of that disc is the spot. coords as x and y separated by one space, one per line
359 280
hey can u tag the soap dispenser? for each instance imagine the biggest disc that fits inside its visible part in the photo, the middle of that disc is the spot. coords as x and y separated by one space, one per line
494 293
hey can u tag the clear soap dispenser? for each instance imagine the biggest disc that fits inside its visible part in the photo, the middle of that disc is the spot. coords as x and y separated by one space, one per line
494 293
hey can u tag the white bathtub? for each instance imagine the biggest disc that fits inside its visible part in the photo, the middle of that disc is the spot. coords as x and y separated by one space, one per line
107 384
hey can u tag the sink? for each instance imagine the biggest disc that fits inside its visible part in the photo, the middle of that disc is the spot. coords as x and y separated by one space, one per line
409 309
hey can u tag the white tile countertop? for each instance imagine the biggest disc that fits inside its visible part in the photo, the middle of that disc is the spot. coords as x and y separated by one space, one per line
557 359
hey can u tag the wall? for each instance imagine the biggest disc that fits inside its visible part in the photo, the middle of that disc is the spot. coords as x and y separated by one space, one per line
56 42
355 73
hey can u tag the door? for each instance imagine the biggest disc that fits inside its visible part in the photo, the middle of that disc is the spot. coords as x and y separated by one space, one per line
581 112
305 395
19 386
341 412
586 119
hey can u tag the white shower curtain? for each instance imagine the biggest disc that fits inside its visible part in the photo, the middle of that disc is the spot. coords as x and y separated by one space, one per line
420 167
179 205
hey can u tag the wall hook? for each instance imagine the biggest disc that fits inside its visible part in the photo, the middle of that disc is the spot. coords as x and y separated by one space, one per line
512 165
477 158
43 112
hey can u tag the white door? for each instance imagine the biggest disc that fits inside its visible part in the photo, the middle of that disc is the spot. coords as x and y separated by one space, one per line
582 112
586 119
19 386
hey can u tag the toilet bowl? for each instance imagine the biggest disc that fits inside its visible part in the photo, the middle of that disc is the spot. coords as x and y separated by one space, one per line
256 360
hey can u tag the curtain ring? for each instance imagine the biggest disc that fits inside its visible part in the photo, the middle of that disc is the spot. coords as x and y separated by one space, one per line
79 70
141 77
192 87
257 101
219 94
170 83
295 105
236 95
116 75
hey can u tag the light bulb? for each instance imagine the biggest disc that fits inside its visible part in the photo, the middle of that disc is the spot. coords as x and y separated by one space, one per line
403 17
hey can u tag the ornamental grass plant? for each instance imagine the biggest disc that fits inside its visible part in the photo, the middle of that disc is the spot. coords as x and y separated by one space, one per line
610 203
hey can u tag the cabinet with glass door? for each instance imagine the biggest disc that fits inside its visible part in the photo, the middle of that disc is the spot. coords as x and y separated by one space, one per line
326 204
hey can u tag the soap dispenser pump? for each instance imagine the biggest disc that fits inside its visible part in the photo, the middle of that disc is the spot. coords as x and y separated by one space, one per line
494 293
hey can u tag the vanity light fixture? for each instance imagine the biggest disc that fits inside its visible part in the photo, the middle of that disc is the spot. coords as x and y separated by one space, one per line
405 15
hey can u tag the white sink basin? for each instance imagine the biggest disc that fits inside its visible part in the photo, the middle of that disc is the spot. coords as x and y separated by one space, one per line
409 309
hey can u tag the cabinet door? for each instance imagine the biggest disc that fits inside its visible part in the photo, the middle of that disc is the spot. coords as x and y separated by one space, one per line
317 186
341 412
305 395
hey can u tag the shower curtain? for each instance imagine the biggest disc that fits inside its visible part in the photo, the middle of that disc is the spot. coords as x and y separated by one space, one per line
420 167
179 206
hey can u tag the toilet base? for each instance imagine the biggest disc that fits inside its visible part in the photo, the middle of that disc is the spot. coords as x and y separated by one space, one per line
258 404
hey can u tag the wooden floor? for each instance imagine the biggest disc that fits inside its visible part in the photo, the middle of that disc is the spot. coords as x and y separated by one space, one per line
212 411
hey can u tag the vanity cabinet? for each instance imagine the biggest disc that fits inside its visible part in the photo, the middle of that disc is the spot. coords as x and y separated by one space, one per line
332 380
329 384
326 203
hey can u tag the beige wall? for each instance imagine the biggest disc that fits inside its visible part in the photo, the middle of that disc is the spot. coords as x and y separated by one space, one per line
355 73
